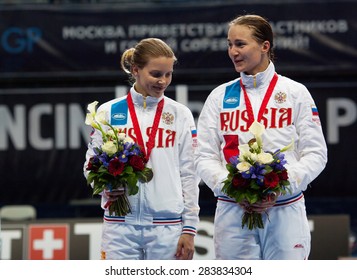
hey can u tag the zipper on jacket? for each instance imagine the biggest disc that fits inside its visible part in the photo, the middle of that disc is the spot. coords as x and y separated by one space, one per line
255 81
144 102
139 209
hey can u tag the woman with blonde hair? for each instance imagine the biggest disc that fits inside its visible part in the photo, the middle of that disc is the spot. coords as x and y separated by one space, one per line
164 216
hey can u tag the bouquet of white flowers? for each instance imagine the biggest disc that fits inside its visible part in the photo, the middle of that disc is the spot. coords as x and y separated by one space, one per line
256 174
118 163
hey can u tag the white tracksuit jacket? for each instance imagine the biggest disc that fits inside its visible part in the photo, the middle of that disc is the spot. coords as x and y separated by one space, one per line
171 197
290 113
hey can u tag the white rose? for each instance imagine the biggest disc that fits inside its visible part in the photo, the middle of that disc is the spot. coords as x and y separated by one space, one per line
265 158
243 166
109 147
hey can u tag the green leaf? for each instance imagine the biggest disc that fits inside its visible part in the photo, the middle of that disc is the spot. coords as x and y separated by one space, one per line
146 175
91 177
268 169
231 168
285 183
240 197
98 189
129 170
226 186
132 185
252 197
103 170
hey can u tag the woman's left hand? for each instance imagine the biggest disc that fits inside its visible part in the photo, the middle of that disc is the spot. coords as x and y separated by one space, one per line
185 247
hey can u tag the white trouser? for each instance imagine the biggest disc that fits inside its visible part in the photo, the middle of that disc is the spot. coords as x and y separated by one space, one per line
286 234
133 242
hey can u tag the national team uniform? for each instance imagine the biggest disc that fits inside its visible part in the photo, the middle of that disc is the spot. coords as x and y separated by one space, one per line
290 113
167 206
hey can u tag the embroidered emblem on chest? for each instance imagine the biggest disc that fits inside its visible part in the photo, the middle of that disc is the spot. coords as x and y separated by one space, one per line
280 97
167 118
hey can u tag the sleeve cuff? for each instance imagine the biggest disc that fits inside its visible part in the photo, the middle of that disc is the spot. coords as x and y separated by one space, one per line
189 230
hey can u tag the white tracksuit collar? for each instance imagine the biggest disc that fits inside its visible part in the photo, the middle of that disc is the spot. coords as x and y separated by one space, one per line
138 99
260 79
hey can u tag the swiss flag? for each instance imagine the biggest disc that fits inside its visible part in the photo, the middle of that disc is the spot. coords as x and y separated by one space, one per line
48 242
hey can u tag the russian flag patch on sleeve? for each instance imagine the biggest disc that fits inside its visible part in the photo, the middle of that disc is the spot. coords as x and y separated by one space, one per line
194 137
314 110
315 114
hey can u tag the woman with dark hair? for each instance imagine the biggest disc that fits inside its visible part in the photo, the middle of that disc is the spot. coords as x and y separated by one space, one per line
287 111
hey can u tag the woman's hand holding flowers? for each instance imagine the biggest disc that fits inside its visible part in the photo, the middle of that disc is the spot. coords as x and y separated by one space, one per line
114 194
260 206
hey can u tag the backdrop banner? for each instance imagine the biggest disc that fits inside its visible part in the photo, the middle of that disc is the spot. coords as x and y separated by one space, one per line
314 36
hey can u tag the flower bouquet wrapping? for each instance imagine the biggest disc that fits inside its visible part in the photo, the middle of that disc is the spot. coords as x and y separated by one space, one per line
118 164
256 175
